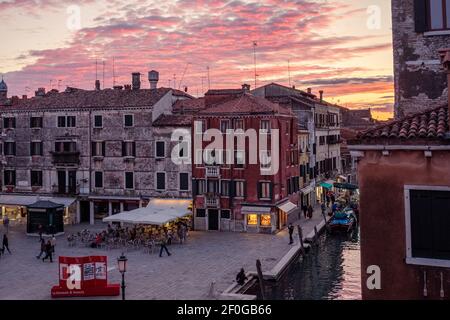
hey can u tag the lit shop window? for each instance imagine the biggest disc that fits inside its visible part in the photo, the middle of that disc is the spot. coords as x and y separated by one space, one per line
252 219
265 220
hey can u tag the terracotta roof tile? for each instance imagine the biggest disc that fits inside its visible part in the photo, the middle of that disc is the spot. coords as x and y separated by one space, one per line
173 120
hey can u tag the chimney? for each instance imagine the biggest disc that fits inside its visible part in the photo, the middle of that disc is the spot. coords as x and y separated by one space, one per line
127 87
186 89
24 97
293 87
136 80
40 92
14 100
118 87
153 78
321 95
308 90
97 85
246 87
445 60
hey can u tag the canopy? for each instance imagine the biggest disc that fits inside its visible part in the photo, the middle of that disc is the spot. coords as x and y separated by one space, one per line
287 207
326 185
347 186
20 200
158 212
255 210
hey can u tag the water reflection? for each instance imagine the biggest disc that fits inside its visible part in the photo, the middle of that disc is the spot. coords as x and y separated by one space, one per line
330 271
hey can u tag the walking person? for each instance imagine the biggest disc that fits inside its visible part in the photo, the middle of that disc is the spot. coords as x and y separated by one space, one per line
40 232
42 249
48 252
164 246
310 211
5 244
6 223
291 232
53 243
305 211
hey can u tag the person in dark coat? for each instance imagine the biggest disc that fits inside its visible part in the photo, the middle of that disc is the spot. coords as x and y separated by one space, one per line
164 247
291 232
241 277
5 244
48 252
310 211
40 232
42 249
305 210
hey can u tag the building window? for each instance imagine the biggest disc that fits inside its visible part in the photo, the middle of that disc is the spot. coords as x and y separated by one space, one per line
265 220
239 189
66 121
264 190
36 148
98 121
65 146
128 149
160 181
225 188
98 148
200 126
129 180
10 177
184 181
10 148
429 224
438 14
99 179
224 125
252 219
239 158
36 178
36 122
225 214
213 186
265 126
200 213
128 120
239 124
265 159
9 123
201 186
160 149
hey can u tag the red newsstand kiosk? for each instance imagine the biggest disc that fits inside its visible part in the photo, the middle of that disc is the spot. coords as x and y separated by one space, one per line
84 277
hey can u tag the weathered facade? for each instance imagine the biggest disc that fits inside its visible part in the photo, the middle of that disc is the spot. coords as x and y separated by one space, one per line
97 147
419 31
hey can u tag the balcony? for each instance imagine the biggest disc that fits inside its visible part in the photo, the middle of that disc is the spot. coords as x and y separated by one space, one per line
212 172
212 201
66 190
66 157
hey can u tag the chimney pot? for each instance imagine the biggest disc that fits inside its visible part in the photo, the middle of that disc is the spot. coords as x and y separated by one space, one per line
309 90
24 97
246 87
97 85
321 95
136 80
153 78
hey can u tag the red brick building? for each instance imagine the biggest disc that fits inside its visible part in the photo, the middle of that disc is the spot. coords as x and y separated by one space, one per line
404 181
241 196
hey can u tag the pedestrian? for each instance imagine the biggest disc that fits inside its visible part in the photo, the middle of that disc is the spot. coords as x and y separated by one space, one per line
6 223
241 277
305 210
53 243
310 211
180 233
40 232
291 232
164 246
48 252
42 249
332 198
5 244
324 208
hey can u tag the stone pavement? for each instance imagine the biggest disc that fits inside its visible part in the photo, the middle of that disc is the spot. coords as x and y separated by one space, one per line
187 274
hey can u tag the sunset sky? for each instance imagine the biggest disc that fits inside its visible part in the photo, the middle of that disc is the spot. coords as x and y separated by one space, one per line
327 43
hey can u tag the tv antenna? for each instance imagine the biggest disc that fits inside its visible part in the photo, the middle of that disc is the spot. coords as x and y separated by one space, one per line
209 78
114 71
289 73
255 44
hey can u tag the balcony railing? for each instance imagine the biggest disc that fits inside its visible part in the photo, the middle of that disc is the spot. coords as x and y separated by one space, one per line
212 201
66 157
67 190
212 172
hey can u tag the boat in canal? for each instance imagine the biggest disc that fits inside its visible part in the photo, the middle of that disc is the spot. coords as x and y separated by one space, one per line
342 221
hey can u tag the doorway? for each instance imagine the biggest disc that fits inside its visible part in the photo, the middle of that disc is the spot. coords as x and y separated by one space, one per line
85 214
213 220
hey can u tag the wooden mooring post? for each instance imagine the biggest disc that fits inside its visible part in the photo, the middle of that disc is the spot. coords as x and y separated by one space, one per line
261 279
316 234
300 236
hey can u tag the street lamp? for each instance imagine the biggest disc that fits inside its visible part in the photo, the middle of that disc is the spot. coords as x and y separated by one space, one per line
122 262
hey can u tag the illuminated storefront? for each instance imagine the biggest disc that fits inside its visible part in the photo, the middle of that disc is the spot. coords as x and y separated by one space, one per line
259 219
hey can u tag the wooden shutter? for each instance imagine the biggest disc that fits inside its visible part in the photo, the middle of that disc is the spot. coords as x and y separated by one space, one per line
232 189
123 149
103 148
194 188
259 188
420 15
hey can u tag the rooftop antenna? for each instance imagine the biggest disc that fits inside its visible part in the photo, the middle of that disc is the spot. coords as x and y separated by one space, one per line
104 74
96 69
114 71
289 73
255 44
174 80
203 89
209 79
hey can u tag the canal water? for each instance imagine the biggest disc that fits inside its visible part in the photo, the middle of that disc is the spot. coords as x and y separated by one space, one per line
330 271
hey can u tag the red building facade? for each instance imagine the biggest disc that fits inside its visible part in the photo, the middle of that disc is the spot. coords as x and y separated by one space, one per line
234 193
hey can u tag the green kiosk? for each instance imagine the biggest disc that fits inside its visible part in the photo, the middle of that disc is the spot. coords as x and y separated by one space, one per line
46 213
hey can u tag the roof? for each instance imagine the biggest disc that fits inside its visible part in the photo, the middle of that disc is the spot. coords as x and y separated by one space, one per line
45 204
226 92
246 104
175 120
78 98
191 105
3 86
430 125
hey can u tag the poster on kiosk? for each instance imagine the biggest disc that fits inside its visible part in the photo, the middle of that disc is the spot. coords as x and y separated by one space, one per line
84 277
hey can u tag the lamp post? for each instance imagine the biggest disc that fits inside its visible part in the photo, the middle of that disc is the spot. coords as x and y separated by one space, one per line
122 262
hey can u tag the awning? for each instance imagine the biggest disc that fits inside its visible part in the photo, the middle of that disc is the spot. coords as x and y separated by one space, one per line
158 212
307 189
20 200
326 185
255 210
347 186
287 207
